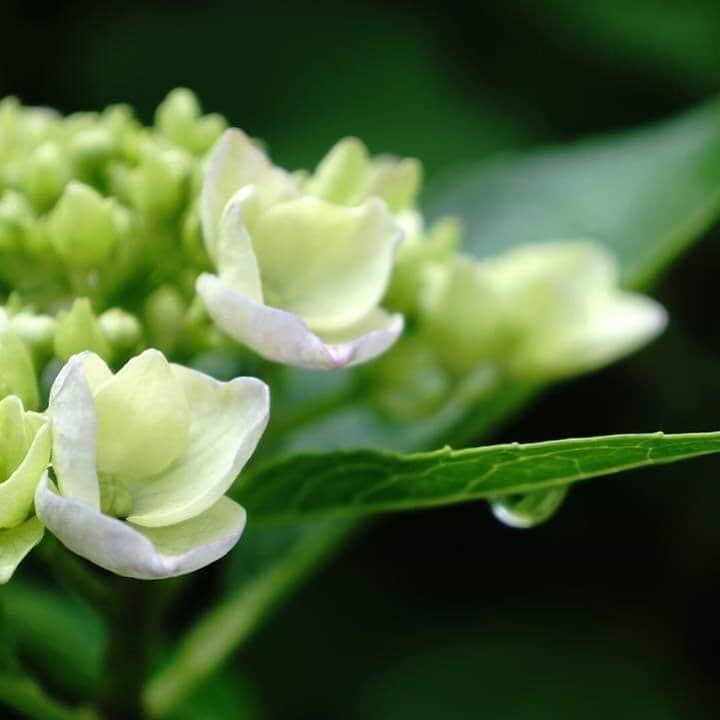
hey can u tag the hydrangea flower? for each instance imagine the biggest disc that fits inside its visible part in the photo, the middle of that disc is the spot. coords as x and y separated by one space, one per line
142 460
300 278
24 456
541 312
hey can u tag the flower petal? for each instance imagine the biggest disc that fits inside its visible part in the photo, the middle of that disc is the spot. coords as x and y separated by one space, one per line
143 418
16 543
613 326
234 163
73 424
227 421
282 336
236 257
326 263
138 552
18 491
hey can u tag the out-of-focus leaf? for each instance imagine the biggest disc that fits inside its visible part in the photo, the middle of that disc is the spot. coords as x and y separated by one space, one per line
23 694
363 482
63 636
647 194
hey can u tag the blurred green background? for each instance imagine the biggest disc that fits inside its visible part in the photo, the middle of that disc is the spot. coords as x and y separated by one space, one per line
612 607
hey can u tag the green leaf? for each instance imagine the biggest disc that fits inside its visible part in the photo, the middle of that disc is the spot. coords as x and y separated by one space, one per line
24 695
363 482
62 635
646 194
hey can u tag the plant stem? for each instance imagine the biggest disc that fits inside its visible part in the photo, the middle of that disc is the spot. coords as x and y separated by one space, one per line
126 658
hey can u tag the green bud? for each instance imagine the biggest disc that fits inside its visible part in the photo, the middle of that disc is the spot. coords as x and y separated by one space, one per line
179 118
165 315
342 174
410 383
17 372
78 329
83 227
461 314
418 251
89 149
121 329
45 173
347 175
15 217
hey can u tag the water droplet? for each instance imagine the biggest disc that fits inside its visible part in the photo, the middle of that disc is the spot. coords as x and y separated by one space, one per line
526 511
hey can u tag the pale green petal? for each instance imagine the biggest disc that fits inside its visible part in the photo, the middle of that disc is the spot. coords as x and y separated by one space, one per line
73 424
462 313
227 421
17 492
397 181
610 327
326 263
142 553
342 174
14 437
284 337
234 163
143 418
15 544
236 258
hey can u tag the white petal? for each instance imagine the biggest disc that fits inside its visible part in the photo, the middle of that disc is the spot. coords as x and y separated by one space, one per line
227 421
236 257
73 425
234 163
283 337
16 543
139 552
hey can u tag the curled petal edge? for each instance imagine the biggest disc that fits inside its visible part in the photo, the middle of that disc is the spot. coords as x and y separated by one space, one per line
284 337
143 554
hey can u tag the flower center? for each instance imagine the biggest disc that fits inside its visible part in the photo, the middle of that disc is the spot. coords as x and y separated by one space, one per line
115 498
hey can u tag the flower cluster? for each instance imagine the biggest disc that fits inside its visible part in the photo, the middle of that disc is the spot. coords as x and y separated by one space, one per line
123 245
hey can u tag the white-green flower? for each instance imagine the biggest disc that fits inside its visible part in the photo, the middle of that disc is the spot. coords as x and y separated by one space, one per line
300 278
142 460
24 456
541 312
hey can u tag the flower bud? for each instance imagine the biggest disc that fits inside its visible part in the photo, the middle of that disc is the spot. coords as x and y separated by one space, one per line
78 329
165 313
121 329
179 118
17 371
157 186
45 173
418 250
36 331
15 217
83 227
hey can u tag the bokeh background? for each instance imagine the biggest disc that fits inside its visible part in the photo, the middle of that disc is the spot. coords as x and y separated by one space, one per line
611 608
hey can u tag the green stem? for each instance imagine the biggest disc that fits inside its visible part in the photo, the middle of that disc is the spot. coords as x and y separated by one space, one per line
126 657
